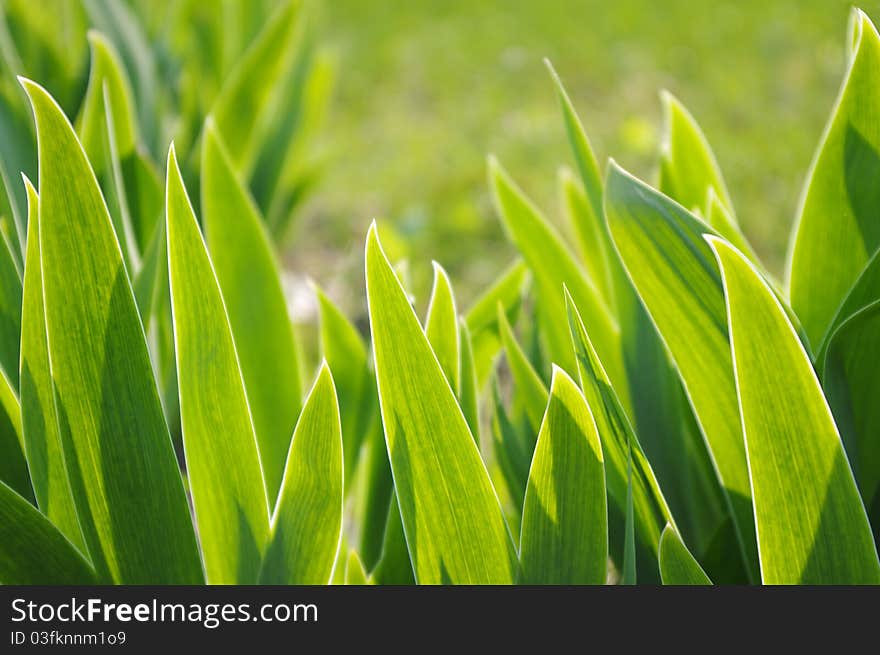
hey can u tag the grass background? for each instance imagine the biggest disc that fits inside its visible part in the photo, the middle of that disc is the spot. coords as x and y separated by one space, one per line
424 90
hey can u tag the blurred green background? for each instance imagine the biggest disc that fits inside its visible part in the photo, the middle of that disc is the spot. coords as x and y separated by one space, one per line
424 90
421 91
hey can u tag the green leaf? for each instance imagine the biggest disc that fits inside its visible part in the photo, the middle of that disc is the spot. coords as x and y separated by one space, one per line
10 312
469 391
837 230
250 280
13 466
454 525
107 72
354 571
819 535
564 523
441 327
33 551
244 98
42 442
346 354
630 480
120 461
677 565
553 266
378 496
688 168
528 384
307 521
225 476
513 450
482 317
394 567
628 575
852 385
672 268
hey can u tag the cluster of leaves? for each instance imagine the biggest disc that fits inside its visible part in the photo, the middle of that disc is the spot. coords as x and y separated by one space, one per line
701 421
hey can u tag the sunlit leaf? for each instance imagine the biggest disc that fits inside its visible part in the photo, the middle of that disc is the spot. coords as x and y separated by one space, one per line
677 565
441 327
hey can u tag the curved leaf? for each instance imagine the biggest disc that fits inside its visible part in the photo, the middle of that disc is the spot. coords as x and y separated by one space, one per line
837 228
307 521
564 523
819 535
42 441
455 529
33 551
441 327
677 565
672 268
120 461
225 476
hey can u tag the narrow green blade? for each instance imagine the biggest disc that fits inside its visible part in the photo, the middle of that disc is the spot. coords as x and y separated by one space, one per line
469 391
307 522
837 230
564 523
225 476
441 327
821 534
482 316
128 490
677 565
628 575
554 266
513 449
688 168
529 387
10 312
454 525
33 551
346 354
661 245
42 442
250 280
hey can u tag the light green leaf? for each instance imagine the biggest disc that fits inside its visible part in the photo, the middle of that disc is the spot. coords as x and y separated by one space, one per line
107 72
628 575
671 266
553 266
677 565
225 476
243 100
821 534
42 442
720 218
513 450
852 386
482 317
10 313
307 521
454 525
441 327
528 384
124 476
378 496
688 168
564 523
629 476
250 280
33 551
468 395
13 466
346 354
354 571
837 230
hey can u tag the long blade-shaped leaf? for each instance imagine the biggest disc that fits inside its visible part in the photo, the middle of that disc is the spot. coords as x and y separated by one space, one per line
250 280
564 524
677 565
661 245
821 533
529 386
307 522
455 529
837 228
42 442
441 327
469 392
120 461
32 550
554 266
688 168
225 476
